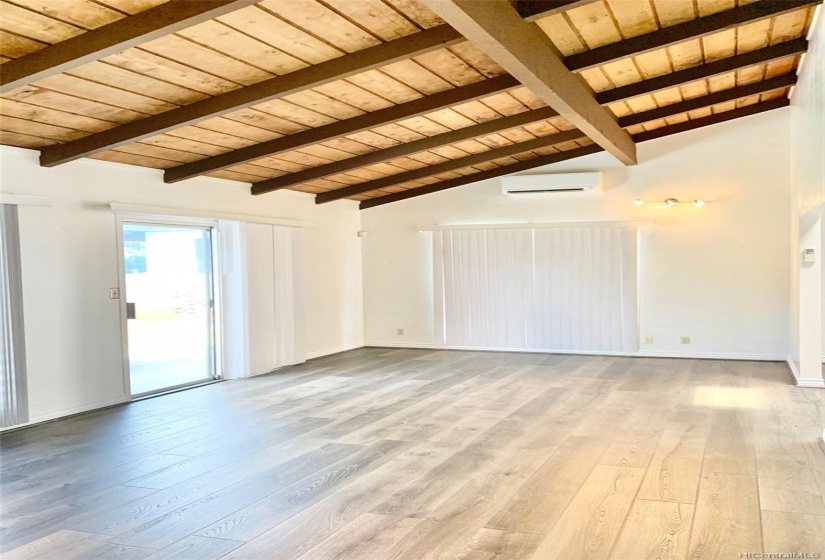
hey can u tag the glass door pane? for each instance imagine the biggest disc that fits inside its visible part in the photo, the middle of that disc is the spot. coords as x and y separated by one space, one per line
170 305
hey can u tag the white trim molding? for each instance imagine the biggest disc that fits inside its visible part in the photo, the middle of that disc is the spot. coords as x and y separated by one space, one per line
330 351
804 382
687 355
62 414
145 211
25 200
531 225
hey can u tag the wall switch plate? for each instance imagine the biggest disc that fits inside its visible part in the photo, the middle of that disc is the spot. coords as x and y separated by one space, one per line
114 293
648 340
685 340
399 332
808 256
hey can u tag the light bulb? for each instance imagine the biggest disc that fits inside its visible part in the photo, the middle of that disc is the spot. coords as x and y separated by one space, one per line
638 202
671 202
698 202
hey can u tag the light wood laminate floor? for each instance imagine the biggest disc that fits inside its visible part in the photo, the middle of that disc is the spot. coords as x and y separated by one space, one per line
380 454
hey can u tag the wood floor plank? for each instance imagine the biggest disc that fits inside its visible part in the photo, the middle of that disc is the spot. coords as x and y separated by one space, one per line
308 528
491 544
247 523
726 522
787 478
62 544
730 444
794 532
19 531
541 500
406 454
659 530
121 519
196 548
167 529
370 534
676 466
592 521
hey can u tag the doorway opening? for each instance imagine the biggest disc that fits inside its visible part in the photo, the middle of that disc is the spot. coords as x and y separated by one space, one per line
170 306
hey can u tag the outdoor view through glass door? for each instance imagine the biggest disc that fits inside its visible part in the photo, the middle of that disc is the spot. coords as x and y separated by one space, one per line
170 305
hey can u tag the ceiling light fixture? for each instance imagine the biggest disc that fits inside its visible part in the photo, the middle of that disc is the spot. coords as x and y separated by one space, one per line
669 202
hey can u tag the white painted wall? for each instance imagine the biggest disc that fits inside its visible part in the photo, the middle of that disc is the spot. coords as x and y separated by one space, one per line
69 254
718 274
807 171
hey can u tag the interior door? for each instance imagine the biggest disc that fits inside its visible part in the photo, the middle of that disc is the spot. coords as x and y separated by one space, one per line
170 306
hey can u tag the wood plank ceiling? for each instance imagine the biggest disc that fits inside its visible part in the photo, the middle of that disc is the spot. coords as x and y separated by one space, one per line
372 100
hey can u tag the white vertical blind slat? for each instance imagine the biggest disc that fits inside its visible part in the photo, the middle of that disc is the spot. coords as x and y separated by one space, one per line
546 289
14 408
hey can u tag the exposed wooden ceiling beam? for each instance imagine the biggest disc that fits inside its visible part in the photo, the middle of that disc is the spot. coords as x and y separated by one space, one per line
528 54
267 90
274 88
546 160
780 82
481 176
451 165
112 38
384 116
277 87
401 150
490 127
532 10
712 119
338 129
703 71
681 32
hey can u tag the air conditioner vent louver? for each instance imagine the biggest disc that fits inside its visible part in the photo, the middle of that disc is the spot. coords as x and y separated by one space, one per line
552 183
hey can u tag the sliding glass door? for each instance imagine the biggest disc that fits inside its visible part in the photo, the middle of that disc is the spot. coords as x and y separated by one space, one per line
170 295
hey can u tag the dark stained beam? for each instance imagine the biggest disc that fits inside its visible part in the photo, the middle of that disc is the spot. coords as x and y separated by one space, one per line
457 96
780 82
532 10
451 165
528 54
533 163
481 176
681 32
267 90
300 80
504 123
401 150
704 71
338 129
647 116
712 119
112 38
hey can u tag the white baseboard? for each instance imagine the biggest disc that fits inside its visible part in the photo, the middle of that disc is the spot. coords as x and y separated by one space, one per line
812 383
801 381
663 354
336 350
69 412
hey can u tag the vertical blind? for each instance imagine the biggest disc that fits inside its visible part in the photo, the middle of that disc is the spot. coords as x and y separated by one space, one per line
275 299
13 395
557 288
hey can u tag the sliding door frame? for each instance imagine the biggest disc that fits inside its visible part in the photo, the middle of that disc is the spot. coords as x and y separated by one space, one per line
123 219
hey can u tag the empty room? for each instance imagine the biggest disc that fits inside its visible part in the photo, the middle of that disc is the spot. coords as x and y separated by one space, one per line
412 279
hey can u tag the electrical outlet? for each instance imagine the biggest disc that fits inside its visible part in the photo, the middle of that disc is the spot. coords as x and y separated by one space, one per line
685 340
114 293
648 340
399 332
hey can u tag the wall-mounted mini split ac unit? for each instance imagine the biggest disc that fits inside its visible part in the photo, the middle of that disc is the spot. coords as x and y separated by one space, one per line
552 183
